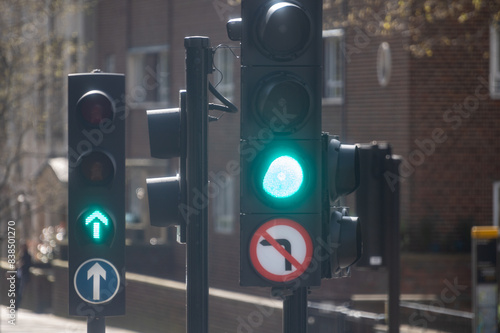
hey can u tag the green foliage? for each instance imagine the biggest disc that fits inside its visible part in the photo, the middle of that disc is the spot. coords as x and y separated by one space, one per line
418 22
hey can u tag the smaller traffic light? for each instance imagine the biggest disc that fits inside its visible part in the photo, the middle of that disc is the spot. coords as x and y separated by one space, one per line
377 200
96 193
343 168
342 232
167 196
345 233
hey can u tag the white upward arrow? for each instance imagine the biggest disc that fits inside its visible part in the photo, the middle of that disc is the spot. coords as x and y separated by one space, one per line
96 272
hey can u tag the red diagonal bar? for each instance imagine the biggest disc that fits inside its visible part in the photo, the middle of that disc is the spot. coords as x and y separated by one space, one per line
282 251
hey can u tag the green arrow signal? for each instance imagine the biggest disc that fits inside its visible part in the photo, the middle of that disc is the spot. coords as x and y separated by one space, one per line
97 217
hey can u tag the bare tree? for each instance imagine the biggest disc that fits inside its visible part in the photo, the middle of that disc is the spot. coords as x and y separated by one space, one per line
39 45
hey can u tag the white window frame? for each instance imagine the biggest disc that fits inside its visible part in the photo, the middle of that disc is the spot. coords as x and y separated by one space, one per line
384 64
333 63
141 78
495 60
110 63
223 206
496 203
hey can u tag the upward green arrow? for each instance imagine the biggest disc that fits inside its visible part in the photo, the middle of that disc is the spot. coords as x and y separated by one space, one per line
97 217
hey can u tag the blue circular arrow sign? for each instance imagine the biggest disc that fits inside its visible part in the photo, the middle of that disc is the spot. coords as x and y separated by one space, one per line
97 281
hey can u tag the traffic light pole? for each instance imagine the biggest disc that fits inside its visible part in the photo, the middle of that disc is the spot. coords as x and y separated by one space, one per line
96 325
391 202
295 311
198 63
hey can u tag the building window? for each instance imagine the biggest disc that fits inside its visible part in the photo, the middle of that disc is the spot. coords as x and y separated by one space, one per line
223 76
147 76
110 63
496 203
136 178
333 80
223 205
137 217
384 64
495 60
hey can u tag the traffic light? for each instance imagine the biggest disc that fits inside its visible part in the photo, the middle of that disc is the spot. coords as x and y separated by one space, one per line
280 147
167 196
96 194
376 201
342 232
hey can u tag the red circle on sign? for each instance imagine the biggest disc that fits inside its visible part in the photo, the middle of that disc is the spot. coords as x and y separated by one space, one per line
262 234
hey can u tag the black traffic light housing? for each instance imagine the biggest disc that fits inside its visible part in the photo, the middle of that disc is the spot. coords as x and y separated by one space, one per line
167 196
341 232
96 193
280 147
377 200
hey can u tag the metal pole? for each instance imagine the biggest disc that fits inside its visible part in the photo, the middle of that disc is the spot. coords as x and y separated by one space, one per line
295 312
1 247
391 207
96 325
198 65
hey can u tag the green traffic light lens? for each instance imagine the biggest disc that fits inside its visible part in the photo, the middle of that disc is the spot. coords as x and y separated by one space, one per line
97 226
95 220
283 178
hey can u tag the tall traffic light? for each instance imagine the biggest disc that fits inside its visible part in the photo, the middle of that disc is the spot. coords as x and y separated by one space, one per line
181 199
96 194
280 147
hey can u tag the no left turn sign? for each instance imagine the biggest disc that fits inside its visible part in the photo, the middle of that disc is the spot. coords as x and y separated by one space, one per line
281 250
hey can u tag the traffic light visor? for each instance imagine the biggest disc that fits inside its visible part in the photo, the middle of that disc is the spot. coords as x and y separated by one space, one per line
94 107
283 103
284 31
97 167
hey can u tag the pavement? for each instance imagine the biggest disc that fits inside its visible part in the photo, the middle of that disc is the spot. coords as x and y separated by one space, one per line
28 322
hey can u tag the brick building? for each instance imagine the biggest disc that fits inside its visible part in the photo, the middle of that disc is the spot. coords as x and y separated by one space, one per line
427 83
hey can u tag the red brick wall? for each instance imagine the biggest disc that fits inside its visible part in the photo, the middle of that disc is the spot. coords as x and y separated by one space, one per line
372 112
452 178
154 304
112 16
446 186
